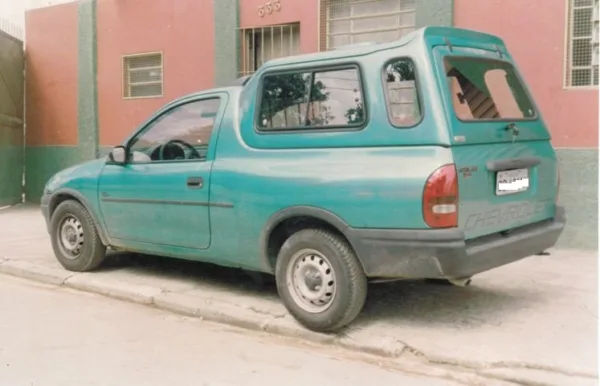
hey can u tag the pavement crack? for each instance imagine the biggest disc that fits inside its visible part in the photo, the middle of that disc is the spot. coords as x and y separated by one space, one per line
408 349
480 369
550 369
64 281
267 313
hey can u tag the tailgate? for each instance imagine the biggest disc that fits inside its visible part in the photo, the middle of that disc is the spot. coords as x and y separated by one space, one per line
507 168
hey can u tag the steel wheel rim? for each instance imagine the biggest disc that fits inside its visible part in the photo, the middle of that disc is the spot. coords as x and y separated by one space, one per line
71 237
311 281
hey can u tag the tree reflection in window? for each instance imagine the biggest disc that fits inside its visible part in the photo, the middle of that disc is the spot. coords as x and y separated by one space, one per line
336 100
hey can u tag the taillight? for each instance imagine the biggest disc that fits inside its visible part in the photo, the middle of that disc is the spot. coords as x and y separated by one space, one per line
440 198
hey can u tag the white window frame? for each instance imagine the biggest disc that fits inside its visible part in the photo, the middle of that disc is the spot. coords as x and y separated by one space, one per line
125 75
351 18
568 68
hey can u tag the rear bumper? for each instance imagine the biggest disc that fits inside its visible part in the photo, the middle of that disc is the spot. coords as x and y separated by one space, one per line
420 254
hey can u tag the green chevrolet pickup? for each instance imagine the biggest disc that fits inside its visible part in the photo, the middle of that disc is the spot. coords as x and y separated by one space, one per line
422 158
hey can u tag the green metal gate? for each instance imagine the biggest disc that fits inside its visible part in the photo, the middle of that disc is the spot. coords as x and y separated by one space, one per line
12 81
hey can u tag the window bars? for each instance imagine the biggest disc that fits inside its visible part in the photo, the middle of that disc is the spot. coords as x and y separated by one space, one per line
346 22
143 75
261 44
582 43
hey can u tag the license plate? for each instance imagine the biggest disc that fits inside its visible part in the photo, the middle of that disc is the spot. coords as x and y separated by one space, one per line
512 181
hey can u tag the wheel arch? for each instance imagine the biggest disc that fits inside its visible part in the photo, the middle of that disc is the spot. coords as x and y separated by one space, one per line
285 222
65 194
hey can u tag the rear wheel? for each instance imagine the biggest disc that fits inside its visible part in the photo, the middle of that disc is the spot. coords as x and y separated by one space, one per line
320 280
75 240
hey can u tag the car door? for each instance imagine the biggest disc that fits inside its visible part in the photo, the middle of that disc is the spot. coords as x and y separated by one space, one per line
160 195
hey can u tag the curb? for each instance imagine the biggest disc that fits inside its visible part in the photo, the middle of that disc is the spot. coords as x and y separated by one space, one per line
184 304
407 358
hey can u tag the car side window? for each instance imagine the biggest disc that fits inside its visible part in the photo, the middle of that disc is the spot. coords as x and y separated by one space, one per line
180 134
336 100
402 97
284 101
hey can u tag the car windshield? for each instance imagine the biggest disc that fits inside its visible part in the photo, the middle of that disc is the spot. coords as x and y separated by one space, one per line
484 89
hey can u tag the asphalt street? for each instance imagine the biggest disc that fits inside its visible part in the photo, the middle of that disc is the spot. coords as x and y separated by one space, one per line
56 336
535 320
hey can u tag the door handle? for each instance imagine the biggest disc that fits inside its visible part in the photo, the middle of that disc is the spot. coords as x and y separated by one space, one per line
195 182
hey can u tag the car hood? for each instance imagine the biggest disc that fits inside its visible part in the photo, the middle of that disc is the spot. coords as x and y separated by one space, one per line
83 171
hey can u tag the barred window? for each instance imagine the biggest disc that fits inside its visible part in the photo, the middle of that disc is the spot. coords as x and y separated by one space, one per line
346 22
582 53
259 45
143 75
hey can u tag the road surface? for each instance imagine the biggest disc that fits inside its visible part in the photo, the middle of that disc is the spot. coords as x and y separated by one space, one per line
55 336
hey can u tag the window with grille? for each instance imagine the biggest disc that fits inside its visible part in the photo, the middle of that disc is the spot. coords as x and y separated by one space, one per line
261 44
582 51
345 22
143 75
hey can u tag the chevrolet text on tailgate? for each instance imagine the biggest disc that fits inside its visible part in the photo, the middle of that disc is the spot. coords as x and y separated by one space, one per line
422 158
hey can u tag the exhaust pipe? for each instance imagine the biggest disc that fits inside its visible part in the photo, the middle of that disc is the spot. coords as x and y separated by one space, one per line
464 282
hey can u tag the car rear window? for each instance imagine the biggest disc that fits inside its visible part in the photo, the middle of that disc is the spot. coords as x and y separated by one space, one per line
485 89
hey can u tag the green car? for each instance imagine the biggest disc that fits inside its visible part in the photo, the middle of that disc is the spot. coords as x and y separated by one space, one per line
423 158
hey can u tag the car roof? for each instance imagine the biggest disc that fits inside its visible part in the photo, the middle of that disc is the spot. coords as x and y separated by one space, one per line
420 35
241 81
208 91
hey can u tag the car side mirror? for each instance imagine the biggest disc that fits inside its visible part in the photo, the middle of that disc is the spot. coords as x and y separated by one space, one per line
118 155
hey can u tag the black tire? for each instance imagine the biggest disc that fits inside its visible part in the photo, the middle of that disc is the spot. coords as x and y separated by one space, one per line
91 251
350 281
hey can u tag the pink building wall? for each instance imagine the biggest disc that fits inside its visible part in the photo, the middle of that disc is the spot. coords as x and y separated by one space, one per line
535 35
183 30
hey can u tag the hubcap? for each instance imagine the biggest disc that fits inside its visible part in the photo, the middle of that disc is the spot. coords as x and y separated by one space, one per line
311 281
71 237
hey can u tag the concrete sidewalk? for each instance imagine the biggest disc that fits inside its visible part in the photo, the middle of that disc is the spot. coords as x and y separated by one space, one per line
533 322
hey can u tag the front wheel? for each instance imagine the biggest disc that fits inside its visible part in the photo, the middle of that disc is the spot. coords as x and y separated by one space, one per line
320 280
75 240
